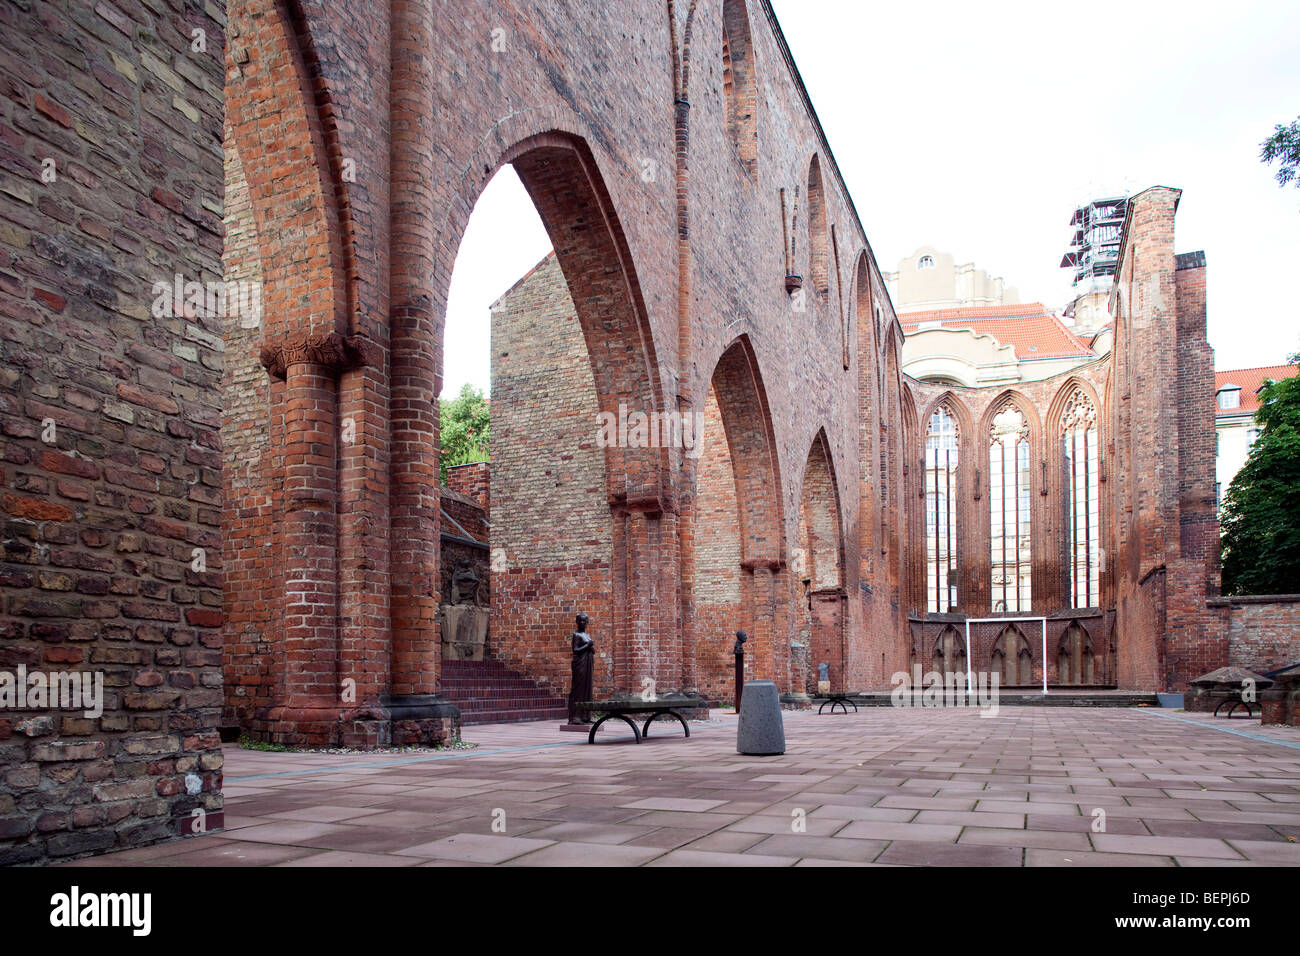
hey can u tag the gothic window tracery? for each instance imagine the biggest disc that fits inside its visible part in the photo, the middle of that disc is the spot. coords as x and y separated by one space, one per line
941 450
1082 508
1009 502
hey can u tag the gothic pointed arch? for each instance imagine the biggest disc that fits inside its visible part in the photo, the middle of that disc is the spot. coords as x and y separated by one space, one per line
948 653
1075 454
819 560
818 229
868 390
1012 657
1010 426
740 85
740 565
1076 658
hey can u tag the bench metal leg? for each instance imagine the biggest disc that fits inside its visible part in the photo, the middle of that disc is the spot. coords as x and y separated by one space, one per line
1233 705
645 731
843 703
591 737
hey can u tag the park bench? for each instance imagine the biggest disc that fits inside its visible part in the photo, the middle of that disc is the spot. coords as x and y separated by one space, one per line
833 700
625 708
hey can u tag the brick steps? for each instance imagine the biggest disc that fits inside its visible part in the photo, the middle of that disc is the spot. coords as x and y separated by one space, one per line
488 692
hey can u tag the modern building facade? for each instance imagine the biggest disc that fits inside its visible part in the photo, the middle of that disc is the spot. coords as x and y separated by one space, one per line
1236 399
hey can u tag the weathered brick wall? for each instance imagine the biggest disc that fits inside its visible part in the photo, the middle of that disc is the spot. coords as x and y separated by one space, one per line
550 522
249 554
1140 628
469 517
1163 526
110 455
1195 645
473 481
1262 631
718 585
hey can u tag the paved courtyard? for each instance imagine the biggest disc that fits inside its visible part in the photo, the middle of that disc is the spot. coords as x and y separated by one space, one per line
883 786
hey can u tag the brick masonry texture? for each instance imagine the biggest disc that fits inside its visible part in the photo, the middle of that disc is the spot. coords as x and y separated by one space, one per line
1262 632
110 445
551 529
472 481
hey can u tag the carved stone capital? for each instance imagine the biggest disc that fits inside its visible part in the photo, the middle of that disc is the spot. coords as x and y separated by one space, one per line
330 350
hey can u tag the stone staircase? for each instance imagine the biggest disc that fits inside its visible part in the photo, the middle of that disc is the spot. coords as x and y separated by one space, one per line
488 692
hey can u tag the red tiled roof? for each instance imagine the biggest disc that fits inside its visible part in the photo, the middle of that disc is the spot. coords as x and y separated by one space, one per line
1249 380
1030 329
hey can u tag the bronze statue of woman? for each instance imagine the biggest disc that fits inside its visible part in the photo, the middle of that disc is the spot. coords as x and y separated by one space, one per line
584 650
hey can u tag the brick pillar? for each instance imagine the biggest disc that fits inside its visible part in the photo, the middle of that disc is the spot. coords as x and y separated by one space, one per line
310 537
416 366
309 702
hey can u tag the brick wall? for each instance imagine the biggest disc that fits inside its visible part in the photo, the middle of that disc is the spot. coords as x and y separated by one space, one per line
718 575
110 454
550 521
675 231
473 481
1163 524
250 557
1262 632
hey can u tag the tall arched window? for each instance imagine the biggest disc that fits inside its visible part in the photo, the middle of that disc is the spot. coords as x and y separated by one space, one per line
1009 524
1082 511
941 441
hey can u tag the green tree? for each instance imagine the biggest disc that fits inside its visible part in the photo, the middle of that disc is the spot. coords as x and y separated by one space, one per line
465 428
1284 145
1261 512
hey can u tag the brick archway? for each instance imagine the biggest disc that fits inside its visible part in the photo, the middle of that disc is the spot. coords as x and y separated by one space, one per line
819 571
754 546
567 189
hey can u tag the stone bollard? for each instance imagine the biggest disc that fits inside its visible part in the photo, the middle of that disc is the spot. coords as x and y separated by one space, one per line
760 731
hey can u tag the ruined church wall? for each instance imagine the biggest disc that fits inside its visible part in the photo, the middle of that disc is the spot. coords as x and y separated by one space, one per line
110 451
551 524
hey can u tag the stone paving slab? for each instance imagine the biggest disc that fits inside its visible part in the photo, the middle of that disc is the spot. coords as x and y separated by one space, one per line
885 786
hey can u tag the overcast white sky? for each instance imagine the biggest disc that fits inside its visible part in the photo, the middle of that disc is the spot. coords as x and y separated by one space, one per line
977 128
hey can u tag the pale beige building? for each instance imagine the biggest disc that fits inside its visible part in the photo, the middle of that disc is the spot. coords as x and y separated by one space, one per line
995 345
929 279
